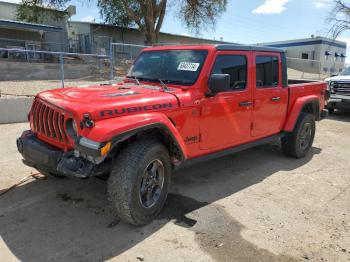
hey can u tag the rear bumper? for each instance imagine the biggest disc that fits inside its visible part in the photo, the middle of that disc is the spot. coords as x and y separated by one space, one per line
46 158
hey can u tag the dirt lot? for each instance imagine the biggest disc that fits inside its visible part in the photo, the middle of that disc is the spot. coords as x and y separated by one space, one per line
257 205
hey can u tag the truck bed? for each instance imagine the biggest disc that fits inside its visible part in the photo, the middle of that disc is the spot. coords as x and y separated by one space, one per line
305 89
300 81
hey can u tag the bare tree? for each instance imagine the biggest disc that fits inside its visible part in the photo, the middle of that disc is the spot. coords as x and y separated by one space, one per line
339 18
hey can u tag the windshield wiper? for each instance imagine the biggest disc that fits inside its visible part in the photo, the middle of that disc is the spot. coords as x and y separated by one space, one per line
165 88
134 78
137 80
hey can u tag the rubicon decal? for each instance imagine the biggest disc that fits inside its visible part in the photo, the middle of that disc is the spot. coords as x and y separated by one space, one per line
135 109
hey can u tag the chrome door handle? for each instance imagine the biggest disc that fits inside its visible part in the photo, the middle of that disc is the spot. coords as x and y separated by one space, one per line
245 104
275 99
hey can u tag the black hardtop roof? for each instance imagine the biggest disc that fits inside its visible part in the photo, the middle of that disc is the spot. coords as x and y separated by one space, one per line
236 47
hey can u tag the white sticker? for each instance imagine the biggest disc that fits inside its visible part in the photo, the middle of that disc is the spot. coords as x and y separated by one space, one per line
187 66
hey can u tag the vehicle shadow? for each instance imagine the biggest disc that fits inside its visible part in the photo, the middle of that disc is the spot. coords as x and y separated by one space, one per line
70 219
340 115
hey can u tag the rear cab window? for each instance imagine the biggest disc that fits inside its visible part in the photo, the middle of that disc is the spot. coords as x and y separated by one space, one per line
235 66
267 71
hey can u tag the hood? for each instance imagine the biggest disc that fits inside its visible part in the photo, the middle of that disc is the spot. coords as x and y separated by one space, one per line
338 78
111 100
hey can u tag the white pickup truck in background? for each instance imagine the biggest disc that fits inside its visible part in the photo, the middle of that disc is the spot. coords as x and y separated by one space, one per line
339 87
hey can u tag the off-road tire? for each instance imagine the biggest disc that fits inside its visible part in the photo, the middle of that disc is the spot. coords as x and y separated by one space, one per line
126 176
291 143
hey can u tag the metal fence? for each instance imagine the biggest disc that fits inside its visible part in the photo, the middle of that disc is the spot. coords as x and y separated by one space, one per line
122 57
24 64
313 69
68 68
34 45
304 69
25 72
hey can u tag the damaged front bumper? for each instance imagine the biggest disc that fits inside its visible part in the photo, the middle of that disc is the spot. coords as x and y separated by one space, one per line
44 157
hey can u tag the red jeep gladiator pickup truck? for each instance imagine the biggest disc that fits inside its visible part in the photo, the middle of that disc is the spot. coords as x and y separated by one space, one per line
178 105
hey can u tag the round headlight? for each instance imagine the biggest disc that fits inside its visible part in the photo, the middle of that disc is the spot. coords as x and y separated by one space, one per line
72 128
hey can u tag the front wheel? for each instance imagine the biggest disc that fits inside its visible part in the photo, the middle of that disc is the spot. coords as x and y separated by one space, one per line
139 181
298 143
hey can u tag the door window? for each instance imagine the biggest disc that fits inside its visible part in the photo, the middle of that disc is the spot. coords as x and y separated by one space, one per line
235 66
267 71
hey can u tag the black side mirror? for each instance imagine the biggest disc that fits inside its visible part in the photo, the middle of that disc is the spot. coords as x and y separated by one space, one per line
333 75
219 83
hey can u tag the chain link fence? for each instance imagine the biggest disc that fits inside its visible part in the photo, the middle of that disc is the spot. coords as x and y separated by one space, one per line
27 71
313 69
122 57
34 45
304 69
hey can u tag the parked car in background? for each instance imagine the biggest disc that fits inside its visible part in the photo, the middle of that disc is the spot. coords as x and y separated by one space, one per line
339 88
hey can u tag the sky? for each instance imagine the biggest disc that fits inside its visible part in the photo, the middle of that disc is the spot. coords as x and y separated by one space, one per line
246 22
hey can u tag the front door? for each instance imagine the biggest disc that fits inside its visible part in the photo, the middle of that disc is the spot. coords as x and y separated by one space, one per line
270 97
226 117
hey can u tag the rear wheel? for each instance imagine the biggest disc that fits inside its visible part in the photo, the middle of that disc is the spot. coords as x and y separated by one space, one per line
139 181
298 143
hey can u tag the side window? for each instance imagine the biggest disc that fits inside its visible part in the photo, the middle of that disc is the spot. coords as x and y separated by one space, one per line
235 66
267 71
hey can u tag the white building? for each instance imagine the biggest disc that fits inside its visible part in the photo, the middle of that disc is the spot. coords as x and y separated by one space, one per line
319 55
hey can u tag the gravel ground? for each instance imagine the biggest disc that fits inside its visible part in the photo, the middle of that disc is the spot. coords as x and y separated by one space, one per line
257 205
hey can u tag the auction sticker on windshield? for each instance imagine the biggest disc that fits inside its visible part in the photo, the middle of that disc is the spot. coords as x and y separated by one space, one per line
187 66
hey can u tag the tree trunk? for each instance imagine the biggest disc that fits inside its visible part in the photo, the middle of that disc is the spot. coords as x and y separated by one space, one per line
154 16
151 36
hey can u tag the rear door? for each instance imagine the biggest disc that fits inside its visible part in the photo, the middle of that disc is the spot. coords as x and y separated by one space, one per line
270 97
226 117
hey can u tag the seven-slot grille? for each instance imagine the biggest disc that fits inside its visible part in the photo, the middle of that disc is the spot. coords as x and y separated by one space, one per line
48 122
341 88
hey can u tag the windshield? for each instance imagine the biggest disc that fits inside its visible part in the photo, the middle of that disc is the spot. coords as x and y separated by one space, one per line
346 72
170 66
